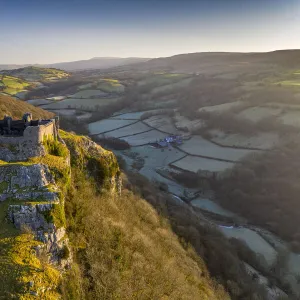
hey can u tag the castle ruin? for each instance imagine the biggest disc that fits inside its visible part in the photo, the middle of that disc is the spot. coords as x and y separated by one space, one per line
21 139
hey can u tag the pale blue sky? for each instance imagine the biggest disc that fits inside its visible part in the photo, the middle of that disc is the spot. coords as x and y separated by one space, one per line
42 31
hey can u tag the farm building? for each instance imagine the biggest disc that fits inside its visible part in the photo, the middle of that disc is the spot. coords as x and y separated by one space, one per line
169 140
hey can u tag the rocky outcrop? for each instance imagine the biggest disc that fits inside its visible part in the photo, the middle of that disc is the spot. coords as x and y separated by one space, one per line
20 151
41 220
27 182
30 216
33 192
40 209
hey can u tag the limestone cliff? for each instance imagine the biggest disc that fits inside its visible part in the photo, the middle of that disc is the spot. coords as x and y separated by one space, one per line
33 242
34 247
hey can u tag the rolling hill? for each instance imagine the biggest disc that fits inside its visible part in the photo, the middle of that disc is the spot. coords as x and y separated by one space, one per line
93 63
36 73
97 63
216 62
17 108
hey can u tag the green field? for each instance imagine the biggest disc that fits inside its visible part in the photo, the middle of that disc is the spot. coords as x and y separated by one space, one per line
52 74
13 85
110 86
37 74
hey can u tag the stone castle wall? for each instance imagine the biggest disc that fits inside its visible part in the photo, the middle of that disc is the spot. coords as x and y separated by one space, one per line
32 134
18 148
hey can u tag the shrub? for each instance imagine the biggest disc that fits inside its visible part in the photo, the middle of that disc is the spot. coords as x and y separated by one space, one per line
64 252
56 148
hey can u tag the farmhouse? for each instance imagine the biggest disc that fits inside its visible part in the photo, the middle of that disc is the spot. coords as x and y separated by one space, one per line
172 139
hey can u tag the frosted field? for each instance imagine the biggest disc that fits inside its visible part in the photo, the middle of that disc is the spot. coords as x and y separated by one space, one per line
256 114
163 123
89 94
263 141
195 164
36 102
84 116
220 108
129 130
294 263
180 84
291 118
56 98
211 206
132 115
64 112
144 138
107 125
182 122
254 241
199 146
83 104
86 86
174 188
157 158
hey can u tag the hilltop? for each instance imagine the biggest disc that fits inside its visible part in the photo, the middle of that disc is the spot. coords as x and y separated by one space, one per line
17 108
32 73
93 63
210 63
13 85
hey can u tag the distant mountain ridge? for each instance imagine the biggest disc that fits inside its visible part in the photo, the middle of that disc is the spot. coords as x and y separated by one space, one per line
207 62
93 63
188 62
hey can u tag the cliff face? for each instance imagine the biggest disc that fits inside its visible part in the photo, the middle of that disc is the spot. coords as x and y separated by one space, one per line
34 247
97 162
33 242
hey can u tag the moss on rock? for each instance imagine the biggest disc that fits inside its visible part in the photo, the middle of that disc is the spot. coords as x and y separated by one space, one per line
23 274
87 155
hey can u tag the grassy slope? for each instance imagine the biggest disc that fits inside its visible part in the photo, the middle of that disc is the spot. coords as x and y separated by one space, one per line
123 248
16 108
38 74
110 85
13 85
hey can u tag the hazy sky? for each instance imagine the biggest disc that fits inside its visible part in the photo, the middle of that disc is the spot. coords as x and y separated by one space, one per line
48 31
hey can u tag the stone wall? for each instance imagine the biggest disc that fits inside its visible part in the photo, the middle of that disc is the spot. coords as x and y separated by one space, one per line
37 134
32 134
20 148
